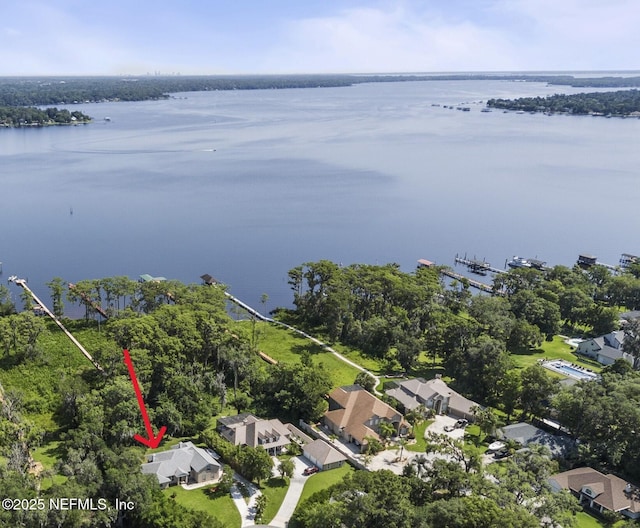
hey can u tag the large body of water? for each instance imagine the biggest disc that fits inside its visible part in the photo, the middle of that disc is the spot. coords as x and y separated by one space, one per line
245 185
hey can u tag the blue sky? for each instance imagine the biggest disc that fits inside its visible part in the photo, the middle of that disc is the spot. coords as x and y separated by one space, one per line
49 37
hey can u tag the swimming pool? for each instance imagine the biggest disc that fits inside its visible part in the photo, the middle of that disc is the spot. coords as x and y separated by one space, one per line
572 371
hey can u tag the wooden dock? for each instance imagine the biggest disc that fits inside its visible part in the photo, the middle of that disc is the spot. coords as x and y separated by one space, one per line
448 272
481 267
473 283
23 284
93 304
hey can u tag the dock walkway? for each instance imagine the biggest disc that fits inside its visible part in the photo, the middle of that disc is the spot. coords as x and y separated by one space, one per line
326 347
96 306
448 272
478 265
23 283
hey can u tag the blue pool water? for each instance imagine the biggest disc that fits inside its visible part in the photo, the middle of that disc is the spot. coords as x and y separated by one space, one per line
573 372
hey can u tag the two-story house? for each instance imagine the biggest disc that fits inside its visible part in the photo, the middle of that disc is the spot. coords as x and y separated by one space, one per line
355 415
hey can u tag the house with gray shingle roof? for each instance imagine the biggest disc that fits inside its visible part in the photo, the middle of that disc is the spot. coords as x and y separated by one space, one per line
246 429
184 463
526 434
605 349
322 455
433 394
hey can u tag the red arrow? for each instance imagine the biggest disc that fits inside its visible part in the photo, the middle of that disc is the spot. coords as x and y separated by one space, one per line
151 441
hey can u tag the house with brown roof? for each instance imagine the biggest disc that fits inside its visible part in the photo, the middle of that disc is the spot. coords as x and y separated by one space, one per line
599 492
246 429
433 394
355 415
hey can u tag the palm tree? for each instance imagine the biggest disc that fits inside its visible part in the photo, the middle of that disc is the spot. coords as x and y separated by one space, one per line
386 430
402 442
420 462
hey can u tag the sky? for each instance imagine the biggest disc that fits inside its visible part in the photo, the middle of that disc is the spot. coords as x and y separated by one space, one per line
136 37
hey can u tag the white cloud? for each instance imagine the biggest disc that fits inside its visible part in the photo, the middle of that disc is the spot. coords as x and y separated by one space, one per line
490 35
363 40
69 36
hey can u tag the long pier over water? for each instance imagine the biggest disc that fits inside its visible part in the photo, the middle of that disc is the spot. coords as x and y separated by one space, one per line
23 283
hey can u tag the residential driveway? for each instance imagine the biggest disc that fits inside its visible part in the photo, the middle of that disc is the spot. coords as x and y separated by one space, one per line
440 423
247 511
390 459
296 484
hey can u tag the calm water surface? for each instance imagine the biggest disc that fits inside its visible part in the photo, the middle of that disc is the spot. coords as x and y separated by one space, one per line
245 185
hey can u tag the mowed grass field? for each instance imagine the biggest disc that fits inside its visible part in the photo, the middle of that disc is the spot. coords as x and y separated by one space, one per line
323 480
556 349
286 346
220 507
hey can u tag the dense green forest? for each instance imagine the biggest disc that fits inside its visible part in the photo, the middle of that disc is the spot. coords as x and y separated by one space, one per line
30 116
36 91
195 362
618 103
401 318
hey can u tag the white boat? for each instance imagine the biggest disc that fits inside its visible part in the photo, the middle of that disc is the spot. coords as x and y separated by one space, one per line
496 446
519 262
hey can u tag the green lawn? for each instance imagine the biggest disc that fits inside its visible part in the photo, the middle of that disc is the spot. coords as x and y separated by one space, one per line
556 349
323 480
48 455
585 520
275 490
286 346
421 445
221 507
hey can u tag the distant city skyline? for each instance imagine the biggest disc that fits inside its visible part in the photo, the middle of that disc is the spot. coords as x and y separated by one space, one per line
71 37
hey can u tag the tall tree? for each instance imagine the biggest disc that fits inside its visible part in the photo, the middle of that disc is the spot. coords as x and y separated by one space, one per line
538 387
57 287
631 343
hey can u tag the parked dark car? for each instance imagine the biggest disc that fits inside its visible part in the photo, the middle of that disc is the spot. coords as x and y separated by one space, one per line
310 470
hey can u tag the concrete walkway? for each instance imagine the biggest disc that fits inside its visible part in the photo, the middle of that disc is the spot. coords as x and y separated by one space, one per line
247 510
296 484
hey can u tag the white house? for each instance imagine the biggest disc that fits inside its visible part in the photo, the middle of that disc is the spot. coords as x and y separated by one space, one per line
605 349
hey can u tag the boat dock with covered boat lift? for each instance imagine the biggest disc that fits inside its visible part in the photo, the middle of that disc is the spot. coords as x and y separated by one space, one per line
480 267
448 272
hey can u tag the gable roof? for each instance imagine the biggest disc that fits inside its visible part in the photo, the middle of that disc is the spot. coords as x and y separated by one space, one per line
178 462
608 491
414 392
246 429
323 453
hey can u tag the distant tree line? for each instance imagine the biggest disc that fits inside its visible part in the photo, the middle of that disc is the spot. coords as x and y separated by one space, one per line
30 91
31 116
618 103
